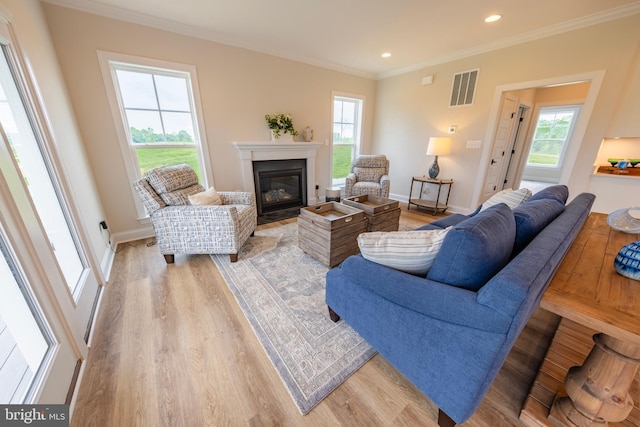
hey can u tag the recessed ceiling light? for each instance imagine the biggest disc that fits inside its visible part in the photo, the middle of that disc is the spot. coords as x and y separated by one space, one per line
386 55
492 18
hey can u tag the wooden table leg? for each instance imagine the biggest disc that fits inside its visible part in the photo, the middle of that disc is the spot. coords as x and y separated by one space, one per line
599 389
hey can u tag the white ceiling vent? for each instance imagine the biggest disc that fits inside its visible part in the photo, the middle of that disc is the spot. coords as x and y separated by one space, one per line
464 88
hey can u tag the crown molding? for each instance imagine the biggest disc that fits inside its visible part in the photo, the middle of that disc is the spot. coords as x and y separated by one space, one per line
96 8
575 24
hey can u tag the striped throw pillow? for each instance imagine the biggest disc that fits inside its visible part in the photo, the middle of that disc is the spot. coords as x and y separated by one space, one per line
409 251
509 197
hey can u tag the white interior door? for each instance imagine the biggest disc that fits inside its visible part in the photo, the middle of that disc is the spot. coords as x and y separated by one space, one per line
501 141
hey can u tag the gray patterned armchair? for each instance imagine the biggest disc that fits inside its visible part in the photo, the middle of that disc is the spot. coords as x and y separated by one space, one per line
183 228
369 175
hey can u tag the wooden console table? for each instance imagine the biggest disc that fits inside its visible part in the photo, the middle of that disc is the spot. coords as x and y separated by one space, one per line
591 297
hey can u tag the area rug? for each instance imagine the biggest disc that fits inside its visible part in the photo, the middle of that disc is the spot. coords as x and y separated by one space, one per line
281 291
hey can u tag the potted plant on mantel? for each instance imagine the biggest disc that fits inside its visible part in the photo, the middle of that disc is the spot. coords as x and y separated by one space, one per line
281 124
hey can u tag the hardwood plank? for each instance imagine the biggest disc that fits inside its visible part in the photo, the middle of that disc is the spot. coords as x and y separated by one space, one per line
172 347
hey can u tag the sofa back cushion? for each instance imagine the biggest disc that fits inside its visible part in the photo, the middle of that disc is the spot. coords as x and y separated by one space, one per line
557 192
370 167
476 249
531 217
174 184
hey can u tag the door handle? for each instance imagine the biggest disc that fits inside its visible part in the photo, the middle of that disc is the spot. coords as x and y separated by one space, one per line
493 161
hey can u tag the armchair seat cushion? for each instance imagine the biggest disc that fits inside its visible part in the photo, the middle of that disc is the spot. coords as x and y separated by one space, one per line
362 188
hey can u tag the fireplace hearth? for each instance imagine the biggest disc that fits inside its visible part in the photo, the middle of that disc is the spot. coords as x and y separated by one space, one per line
280 188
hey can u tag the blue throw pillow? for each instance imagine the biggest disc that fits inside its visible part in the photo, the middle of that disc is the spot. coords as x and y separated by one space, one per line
557 192
531 217
476 249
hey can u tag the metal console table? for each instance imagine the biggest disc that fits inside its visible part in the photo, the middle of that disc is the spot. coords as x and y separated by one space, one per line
436 205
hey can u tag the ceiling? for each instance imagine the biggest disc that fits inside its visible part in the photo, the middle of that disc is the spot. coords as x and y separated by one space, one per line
351 35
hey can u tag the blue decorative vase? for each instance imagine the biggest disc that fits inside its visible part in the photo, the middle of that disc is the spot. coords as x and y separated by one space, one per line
627 262
434 170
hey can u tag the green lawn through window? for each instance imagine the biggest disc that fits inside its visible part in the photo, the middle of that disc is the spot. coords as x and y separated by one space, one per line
149 158
341 160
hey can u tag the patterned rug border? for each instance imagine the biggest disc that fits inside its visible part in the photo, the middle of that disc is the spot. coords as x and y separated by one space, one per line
235 276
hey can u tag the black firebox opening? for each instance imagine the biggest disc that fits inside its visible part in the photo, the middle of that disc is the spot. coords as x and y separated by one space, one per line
280 188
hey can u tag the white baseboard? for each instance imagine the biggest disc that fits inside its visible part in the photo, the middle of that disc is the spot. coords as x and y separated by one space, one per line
450 209
107 262
129 236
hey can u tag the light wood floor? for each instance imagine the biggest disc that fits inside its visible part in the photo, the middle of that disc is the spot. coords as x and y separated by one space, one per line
171 347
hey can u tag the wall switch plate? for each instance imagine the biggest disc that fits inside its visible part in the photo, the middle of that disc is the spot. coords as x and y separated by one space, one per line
474 143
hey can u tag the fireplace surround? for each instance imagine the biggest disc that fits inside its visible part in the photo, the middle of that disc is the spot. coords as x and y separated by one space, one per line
257 152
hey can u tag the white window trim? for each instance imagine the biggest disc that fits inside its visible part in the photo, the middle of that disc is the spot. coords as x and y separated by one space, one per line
128 154
358 131
577 107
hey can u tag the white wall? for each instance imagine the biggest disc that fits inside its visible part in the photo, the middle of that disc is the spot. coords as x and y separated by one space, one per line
407 113
237 88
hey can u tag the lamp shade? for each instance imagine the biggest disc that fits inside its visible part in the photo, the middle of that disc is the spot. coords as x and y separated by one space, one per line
439 146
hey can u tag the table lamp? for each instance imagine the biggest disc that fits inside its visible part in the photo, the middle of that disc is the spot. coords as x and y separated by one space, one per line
438 146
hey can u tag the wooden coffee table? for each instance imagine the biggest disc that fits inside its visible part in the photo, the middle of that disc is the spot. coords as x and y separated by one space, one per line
591 297
382 214
329 231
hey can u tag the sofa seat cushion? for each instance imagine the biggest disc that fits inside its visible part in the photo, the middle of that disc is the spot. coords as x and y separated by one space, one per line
557 192
408 251
531 217
510 197
476 249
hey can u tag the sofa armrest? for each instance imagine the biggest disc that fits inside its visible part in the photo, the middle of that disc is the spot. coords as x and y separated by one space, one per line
432 299
184 216
385 184
237 198
349 182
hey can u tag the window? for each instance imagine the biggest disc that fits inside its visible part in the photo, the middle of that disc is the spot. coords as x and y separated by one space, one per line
19 124
347 128
552 133
158 113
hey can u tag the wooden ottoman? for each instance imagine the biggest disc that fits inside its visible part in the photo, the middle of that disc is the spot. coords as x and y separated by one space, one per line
329 231
382 214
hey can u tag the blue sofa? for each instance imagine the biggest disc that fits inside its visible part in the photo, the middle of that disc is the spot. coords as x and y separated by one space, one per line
450 332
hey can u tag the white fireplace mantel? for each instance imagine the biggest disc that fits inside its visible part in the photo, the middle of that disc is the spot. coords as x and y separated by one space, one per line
256 151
